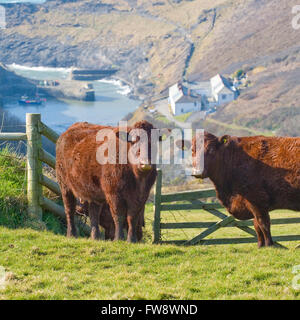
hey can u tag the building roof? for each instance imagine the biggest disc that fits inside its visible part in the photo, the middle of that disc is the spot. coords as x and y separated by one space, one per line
175 92
219 83
190 99
181 94
195 85
203 86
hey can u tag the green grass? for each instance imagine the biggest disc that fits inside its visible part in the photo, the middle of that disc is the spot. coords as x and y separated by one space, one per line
183 117
163 119
13 213
239 127
41 263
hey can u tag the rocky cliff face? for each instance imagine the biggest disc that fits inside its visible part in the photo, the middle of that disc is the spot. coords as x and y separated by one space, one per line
145 39
155 43
12 84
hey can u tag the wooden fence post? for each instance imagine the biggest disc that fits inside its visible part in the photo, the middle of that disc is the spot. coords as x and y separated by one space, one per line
157 205
34 165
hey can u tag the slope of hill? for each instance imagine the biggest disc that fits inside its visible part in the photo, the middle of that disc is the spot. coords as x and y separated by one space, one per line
44 266
156 43
270 103
41 263
13 84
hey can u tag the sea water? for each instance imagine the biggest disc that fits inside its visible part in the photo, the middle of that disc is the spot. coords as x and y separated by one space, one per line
111 105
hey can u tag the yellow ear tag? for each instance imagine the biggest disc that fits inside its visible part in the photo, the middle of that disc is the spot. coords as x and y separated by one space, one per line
224 140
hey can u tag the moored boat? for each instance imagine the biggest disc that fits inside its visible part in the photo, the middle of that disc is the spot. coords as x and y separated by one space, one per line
25 100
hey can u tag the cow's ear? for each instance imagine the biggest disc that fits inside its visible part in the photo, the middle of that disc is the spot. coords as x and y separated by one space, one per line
224 140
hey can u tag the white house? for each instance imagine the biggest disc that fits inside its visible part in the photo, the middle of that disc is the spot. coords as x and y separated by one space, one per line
196 96
222 91
182 100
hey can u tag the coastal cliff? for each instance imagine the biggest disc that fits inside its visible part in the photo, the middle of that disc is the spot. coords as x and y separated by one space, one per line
154 44
12 84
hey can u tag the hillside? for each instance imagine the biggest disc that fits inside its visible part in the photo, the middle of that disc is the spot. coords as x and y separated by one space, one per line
41 263
156 43
13 207
271 103
13 84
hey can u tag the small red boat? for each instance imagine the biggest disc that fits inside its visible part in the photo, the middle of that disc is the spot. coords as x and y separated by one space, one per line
25 100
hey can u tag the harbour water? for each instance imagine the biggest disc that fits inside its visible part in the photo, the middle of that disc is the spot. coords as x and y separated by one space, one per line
111 105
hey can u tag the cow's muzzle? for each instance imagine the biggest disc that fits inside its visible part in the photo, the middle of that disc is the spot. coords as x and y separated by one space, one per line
197 173
146 167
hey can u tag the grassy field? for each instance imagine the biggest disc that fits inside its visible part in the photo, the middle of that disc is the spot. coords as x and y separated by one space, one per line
183 117
41 263
236 127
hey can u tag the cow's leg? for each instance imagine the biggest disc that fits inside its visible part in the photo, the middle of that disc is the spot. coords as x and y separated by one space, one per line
108 234
119 223
139 232
118 212
260 235
132 226
94 213
265 226
262 218
69 204
140 225
107 224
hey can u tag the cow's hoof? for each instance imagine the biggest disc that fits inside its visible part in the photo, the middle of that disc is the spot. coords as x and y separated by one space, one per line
260 244
71 234
95 236
131 240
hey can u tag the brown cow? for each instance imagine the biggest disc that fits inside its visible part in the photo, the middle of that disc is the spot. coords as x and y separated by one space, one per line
252 176
125 187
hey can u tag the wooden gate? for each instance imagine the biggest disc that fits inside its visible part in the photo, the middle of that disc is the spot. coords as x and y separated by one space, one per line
36 156
191 200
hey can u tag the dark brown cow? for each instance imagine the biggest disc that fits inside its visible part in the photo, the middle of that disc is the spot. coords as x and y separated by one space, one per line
124 187
252 176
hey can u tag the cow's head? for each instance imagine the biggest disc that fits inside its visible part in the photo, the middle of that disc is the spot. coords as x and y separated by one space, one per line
141 133
142 144
138 139
205 152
